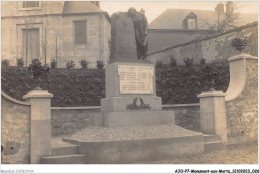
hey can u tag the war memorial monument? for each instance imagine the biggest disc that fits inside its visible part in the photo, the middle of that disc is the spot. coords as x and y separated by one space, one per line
135 128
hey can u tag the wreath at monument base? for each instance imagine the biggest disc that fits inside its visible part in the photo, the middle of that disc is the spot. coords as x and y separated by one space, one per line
135 106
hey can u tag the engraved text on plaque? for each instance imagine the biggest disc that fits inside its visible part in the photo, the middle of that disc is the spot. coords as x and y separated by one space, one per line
135 79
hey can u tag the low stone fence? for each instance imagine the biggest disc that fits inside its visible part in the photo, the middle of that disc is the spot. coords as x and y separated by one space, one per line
15 130
186 115
67 120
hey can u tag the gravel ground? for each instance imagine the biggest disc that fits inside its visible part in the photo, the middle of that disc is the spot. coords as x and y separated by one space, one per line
239 154
97 134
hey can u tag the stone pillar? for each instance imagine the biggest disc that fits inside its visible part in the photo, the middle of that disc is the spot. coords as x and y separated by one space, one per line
213 114
40 123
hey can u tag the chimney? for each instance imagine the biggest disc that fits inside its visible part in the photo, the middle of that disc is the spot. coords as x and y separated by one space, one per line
229 7
219 8
142 11
97 3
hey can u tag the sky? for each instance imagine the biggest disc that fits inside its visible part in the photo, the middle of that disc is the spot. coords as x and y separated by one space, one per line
155 8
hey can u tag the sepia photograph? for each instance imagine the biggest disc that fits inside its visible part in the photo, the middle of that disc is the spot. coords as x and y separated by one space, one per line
129 82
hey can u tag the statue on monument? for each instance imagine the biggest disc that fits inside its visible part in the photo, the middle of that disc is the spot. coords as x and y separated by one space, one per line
128 36
140 27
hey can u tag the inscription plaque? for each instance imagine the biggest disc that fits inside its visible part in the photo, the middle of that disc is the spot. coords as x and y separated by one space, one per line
135 79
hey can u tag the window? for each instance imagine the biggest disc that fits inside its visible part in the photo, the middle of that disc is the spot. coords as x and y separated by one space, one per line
80 32
191 24
30 4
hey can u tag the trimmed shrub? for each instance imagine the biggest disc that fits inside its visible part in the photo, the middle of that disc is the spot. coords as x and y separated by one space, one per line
70 64
188 61
202 61
84 64
53 63
100 64
37 69
173 61
158 64
5 63
20 62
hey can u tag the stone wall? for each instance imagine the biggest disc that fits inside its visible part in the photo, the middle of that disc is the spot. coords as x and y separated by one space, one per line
242 112
159 39
15 131
67 120
210 48
186 115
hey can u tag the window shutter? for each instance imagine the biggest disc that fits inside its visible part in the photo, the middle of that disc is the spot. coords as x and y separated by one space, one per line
80 32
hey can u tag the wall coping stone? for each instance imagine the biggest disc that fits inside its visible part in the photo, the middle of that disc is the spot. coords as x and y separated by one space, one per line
14 100
180 105
76 108
38 94
242 56
99 107
211 94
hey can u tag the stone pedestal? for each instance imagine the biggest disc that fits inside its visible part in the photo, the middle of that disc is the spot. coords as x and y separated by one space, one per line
132 84
40 124
117 99
138 118
213 113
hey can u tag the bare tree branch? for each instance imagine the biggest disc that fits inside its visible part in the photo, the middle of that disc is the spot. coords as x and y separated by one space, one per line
226 21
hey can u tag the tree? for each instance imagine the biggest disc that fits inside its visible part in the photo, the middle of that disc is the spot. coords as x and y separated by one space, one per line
225 20
45 46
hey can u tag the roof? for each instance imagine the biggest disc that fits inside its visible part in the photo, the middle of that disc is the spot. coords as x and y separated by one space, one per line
72 7
173 18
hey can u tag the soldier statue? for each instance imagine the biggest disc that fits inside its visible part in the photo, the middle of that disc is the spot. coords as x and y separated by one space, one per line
140 27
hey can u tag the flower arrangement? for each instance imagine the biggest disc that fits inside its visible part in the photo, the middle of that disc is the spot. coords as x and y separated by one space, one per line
239 43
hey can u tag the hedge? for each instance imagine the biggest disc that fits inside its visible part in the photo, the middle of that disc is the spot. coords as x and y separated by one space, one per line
79 87
182 84
70 87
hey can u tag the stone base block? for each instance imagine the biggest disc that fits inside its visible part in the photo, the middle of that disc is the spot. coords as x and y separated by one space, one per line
118 104
138 118
135 151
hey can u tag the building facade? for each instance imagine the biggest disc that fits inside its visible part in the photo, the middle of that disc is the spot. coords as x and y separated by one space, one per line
59 30
178 26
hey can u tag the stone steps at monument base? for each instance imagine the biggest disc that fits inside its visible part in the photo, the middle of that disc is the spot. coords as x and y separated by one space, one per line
215 145
69 150
64 159
210 138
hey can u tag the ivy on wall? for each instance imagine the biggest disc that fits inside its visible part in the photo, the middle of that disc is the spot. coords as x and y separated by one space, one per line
86 87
